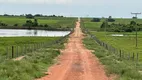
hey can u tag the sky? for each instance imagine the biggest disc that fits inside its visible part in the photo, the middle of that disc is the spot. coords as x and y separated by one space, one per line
81 8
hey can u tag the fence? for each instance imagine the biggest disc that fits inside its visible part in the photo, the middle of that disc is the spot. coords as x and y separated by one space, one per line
118 52
16 51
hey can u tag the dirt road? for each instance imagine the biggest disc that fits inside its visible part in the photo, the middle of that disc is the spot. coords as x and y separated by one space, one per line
76 62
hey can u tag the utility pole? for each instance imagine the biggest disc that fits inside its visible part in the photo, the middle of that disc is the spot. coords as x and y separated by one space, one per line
136 14
106 21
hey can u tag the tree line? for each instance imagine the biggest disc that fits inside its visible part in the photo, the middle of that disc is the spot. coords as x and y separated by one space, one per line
33 24
110 19
132 26
31 16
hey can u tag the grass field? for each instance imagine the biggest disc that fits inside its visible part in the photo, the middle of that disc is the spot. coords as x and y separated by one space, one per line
126 42
95 26
32 66
20 41
52 21
121 69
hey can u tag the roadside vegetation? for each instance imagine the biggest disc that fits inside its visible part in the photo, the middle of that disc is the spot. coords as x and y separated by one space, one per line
36 60
8 42
119 68
32 66
105 31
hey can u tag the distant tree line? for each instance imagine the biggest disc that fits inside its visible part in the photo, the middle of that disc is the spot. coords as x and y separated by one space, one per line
33 24
121 27
110 19
31 16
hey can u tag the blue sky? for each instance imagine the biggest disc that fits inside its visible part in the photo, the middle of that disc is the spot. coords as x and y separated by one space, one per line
91 8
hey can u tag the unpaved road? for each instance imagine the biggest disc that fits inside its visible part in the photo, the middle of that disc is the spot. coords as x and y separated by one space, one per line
76 62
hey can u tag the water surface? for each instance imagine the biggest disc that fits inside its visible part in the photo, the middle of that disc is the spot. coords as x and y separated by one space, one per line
23 32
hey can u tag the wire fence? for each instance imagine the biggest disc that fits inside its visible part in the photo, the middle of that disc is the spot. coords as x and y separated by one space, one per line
17 51
118 52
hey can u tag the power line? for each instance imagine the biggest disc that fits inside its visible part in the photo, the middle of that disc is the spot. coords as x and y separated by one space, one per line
136 14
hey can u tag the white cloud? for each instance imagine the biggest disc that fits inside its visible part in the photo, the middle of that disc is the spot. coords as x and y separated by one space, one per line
36 1
76 2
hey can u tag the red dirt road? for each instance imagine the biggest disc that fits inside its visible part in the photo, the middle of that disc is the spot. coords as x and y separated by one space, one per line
76 62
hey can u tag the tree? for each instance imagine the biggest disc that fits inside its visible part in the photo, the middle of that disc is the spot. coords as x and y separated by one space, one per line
133 23
30 16
3 24
6 15
35 23
15 25
46 25
134 17
104 24
28 23
95 20
38 15
110 19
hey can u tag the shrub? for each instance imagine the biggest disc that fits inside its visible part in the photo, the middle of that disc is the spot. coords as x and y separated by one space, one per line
95 20
15 25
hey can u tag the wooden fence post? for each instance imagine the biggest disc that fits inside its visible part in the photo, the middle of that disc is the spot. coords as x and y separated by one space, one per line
133 56
17 51
120 54
12 51
7 52
25 49
137 57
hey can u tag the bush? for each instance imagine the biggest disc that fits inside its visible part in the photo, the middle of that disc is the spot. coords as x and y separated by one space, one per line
95 20
46 25
133 23
111 20
15 25
30 16
3 24
41 25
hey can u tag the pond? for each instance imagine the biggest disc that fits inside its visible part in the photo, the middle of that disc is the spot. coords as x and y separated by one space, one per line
24 32
117 35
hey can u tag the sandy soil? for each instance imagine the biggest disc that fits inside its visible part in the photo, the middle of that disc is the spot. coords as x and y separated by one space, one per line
76 62
19 58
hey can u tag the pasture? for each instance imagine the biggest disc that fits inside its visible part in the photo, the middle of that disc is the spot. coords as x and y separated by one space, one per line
62 22
8 42
126 43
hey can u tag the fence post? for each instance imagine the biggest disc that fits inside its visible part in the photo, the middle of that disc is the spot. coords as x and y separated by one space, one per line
137 57
133 56
120 54
25 49
17 51
12 51
7 52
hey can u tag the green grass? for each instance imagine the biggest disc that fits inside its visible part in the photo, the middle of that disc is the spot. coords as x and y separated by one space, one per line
21 41
120 42
95 26
92 26
125 70
32 66
52 21
126 43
